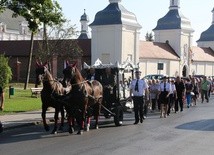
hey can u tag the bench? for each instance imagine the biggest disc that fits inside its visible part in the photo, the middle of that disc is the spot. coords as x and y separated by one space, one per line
36 91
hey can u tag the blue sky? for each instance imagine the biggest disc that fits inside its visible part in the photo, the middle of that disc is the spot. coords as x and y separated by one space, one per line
147 12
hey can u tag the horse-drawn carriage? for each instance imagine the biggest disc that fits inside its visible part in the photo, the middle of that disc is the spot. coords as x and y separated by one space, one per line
115 92
84 95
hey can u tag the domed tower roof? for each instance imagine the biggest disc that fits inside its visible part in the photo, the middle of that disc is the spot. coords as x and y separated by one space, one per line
208 35
84 17
174 19
113 14
84 26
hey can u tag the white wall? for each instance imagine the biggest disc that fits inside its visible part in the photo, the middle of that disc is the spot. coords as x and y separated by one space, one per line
175 68
203 68
206 44
130 45
173 36
106 40
12 36
149 66
118 41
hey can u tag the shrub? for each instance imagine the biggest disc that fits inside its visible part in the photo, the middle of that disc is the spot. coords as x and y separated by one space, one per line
5 71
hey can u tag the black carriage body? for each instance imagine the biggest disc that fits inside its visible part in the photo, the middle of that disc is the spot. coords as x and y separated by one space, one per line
115 93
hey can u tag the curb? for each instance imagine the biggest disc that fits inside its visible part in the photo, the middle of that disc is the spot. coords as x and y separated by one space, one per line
51 121
20 125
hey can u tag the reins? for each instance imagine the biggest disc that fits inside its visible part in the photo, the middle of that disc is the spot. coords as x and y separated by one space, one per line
79 83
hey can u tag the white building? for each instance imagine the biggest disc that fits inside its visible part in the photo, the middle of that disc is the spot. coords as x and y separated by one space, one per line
115 37
14 28
115 34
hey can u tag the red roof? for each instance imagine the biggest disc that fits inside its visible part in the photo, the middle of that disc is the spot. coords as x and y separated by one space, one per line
202 54
155 50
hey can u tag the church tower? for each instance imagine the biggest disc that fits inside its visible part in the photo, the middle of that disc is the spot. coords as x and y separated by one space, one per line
207 37
115 35
84 26
175 29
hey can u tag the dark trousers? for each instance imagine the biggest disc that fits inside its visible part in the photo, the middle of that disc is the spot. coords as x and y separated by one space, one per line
138 107
171 102
180 101
154 101
204 93
145 109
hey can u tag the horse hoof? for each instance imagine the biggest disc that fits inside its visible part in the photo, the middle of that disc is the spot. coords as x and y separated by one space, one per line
88 127
80 132
96 127
54 132
71 130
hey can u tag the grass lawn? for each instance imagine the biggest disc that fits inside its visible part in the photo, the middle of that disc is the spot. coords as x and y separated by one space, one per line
21 101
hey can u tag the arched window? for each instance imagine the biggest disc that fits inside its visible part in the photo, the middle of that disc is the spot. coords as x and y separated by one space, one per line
184 71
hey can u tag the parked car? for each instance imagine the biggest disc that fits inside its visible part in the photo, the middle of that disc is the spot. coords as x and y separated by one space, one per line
154 76
198 76
168 77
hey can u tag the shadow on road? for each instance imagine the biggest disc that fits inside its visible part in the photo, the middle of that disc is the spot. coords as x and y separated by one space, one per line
202 125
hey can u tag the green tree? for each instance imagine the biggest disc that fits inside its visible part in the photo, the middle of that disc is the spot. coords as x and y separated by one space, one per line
5 71
3 4
51 15
149 37
32 11
60 43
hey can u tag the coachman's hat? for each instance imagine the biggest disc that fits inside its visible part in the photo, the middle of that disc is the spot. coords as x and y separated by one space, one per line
137 71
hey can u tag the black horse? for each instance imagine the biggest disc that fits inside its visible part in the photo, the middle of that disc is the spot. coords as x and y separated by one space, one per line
51 95
83 96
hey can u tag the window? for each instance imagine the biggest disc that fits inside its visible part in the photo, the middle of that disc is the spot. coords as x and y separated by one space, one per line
160 66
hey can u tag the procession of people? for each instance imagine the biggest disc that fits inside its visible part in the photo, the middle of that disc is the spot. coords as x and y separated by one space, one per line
164 96
174 94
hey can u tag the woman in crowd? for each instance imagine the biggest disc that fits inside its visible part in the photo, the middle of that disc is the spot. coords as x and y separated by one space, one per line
164 91
153 89
189 89
172 96
195 90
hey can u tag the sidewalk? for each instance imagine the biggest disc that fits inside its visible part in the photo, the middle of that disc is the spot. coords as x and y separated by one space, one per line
21 119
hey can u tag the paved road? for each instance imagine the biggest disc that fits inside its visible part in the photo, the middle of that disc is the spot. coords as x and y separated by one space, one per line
187 132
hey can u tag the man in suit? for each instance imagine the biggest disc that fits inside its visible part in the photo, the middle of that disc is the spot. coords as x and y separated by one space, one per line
138 91
93 75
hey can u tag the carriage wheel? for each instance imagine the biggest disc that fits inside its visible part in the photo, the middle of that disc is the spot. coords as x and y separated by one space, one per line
118 118
107 115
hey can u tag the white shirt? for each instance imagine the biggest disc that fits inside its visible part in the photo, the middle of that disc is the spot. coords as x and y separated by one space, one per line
142 85
93 77
173 88
168 87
